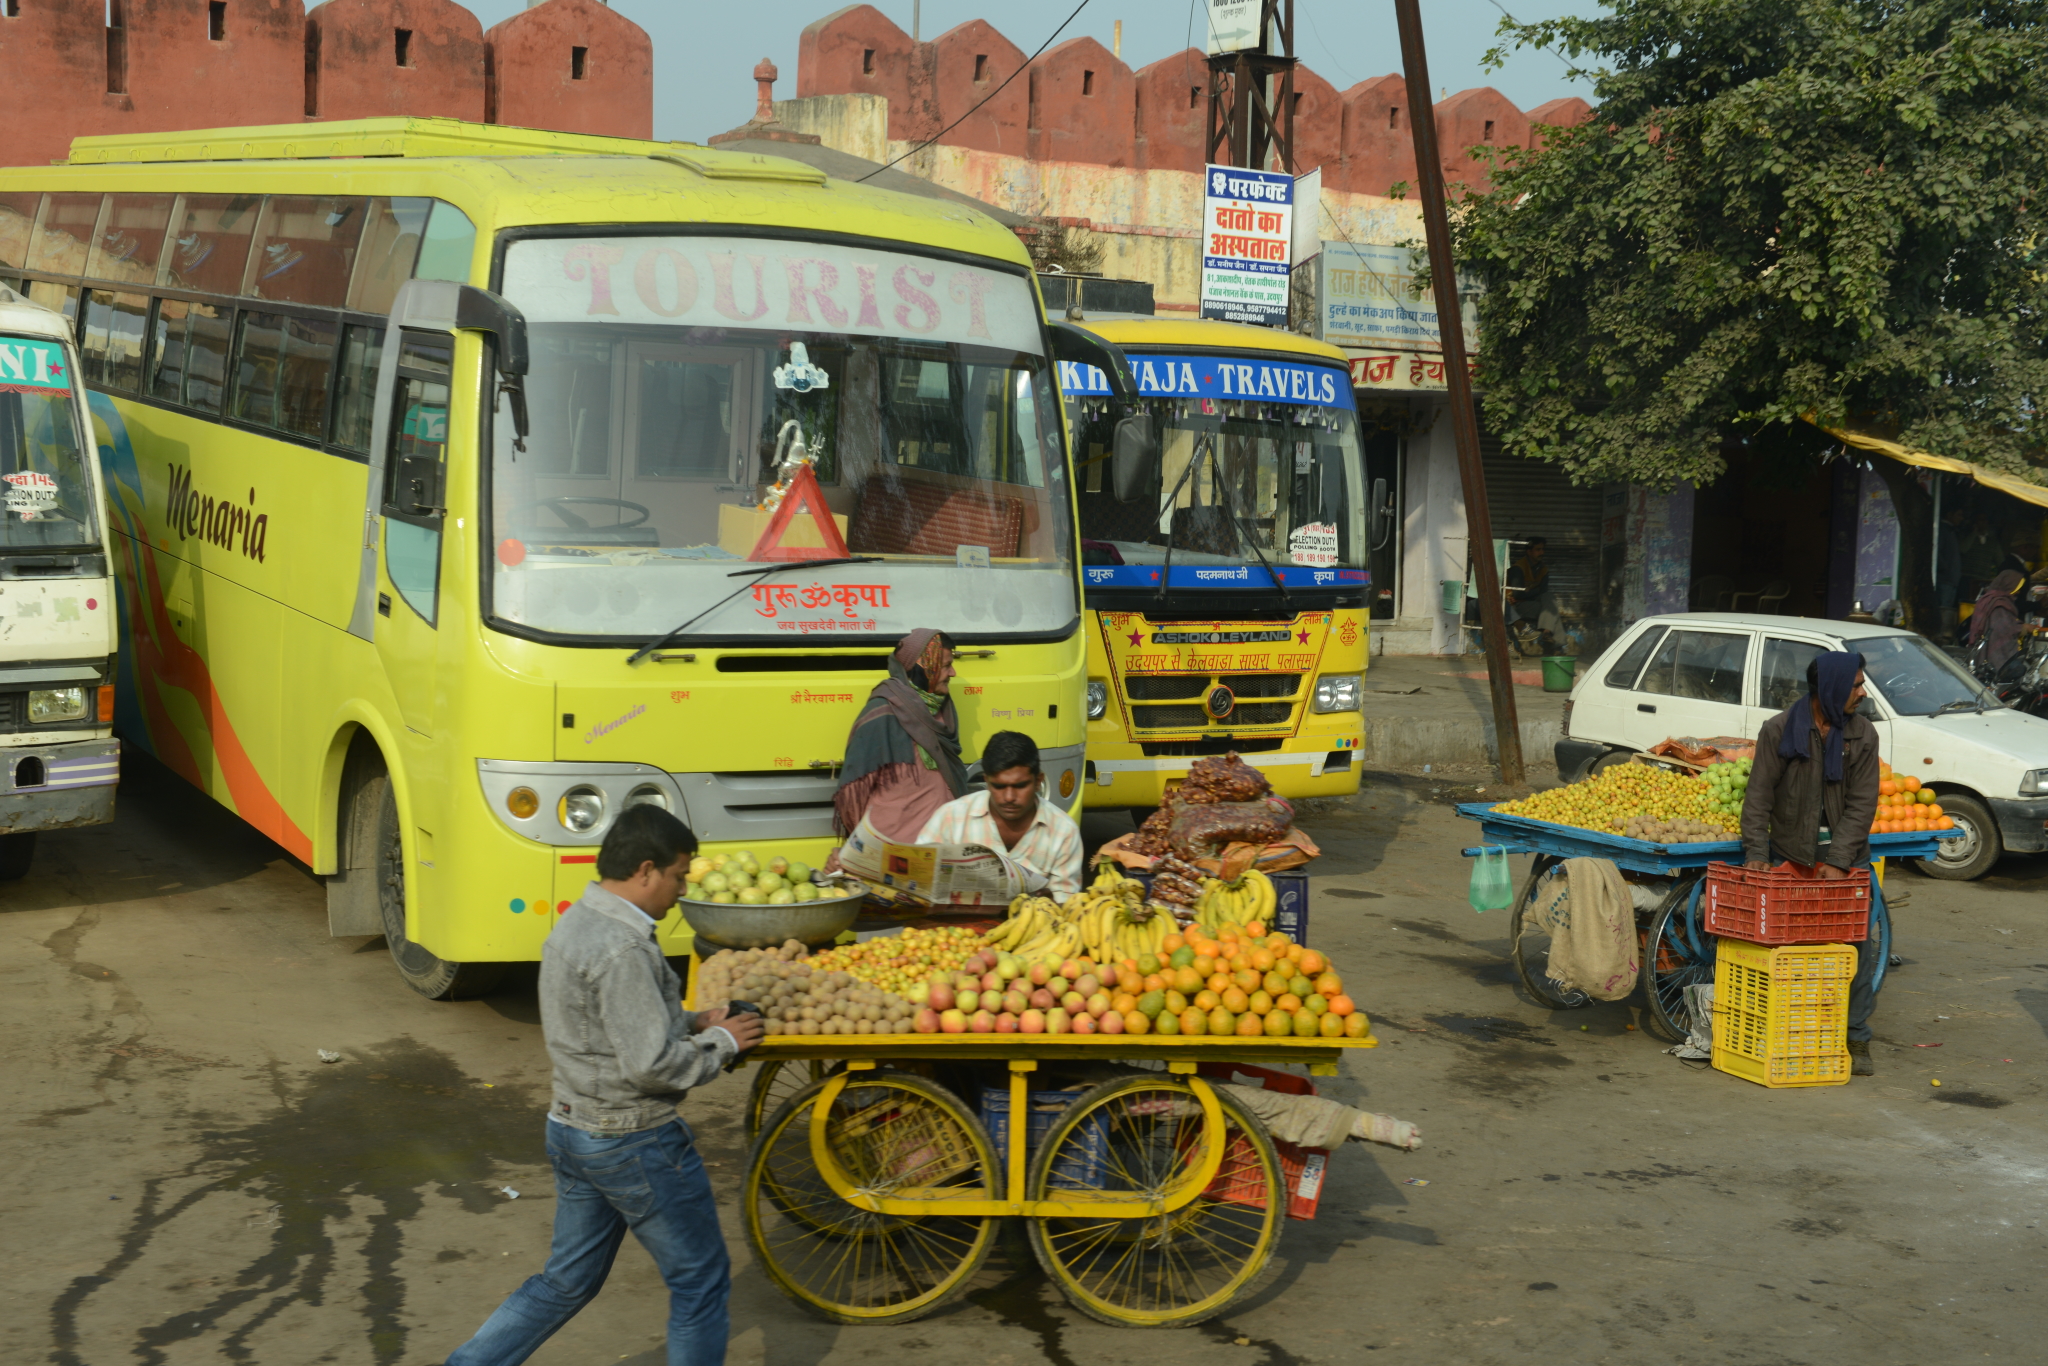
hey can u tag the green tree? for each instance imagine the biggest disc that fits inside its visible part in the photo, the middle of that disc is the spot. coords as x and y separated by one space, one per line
1781 209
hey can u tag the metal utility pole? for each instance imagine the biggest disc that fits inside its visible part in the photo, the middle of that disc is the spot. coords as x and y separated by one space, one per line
1436 224
1251 97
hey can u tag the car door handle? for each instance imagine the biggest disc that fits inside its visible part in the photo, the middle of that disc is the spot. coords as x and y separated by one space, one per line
1645 706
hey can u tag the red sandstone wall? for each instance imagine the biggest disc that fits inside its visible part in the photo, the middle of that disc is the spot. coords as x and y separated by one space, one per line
1379 150
177 75
533 78
1082 100
1360 137
1173 111
859 51
957 56
352 65
54 56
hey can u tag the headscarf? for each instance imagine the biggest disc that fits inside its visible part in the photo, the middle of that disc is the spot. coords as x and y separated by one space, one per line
1996 618
1835 680
906 725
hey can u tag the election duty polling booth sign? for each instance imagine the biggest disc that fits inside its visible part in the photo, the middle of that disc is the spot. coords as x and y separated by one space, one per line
1247 245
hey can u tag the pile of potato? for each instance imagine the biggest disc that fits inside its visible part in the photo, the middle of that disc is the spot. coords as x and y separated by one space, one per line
794 998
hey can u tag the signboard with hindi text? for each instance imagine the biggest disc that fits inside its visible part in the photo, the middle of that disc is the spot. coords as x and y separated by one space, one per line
1369 298
1247 245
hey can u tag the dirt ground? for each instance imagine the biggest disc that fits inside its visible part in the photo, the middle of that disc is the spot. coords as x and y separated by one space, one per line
187 1182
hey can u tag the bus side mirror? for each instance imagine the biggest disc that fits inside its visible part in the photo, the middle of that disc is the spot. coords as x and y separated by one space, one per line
1134 453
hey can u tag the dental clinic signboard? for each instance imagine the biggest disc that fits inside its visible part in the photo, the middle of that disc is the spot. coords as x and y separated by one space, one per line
1247 245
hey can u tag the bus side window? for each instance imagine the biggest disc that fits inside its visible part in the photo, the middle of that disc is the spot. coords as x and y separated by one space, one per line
415 470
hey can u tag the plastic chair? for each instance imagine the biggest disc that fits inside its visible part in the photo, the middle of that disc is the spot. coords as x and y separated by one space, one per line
1710 593
1776 591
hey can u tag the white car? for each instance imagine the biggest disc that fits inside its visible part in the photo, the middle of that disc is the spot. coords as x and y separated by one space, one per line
1722 673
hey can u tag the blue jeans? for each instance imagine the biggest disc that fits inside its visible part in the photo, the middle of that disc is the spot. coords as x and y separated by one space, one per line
652 1182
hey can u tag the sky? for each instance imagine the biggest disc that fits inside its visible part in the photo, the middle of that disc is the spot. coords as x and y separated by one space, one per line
704 53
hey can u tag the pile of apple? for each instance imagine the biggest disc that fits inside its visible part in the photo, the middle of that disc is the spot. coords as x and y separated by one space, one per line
742 879
1002 993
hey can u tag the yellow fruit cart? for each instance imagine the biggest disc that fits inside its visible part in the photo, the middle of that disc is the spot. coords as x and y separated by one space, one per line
874 1193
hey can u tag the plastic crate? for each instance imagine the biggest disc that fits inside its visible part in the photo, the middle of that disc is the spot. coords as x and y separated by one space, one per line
1087 1166
909 1145
1784 905
1301 1169
1781 1014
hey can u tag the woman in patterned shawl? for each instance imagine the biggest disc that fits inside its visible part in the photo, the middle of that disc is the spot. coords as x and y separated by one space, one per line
903 754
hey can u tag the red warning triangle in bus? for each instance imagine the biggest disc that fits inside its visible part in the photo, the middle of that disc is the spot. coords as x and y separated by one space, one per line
805 495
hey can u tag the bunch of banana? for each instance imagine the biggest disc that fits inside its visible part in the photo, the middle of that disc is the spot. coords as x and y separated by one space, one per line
1037 927
1251 897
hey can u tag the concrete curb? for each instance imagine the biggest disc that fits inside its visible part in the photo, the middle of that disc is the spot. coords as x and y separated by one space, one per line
1395 742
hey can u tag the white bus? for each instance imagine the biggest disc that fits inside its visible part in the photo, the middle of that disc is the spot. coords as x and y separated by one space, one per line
59 760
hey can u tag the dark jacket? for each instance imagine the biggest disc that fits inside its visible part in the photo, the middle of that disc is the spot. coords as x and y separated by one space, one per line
611 1011
1790 799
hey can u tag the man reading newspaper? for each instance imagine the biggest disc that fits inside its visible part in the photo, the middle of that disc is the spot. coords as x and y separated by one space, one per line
1008 816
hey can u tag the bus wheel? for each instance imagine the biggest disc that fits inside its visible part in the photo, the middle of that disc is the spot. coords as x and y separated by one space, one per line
16 853
432 977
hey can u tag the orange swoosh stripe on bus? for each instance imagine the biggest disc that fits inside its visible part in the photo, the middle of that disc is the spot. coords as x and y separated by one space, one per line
183 667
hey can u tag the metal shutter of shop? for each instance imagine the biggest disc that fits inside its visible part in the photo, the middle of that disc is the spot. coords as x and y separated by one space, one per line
1532 498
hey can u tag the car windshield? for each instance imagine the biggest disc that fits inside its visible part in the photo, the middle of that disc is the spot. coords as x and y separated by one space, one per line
1259 458
1916 679
45 485
705 407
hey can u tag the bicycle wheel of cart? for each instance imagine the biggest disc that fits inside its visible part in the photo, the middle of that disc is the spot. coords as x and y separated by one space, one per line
1678 953
1531 942
776 1082
889 1132
1143 1135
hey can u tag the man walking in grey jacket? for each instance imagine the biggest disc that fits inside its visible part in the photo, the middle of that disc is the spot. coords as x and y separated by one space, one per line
625 1052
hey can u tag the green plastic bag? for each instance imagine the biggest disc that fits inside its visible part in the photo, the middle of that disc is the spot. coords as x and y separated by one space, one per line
1492 888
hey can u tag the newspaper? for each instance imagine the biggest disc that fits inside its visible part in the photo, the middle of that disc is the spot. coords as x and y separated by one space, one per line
938 874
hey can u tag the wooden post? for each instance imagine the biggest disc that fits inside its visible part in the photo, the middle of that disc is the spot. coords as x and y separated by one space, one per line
1429 174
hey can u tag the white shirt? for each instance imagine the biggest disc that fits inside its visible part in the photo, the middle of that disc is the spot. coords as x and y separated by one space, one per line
1051 846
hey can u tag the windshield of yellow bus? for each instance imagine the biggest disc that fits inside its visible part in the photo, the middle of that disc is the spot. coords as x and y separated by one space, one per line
1260 476
704 407
46 497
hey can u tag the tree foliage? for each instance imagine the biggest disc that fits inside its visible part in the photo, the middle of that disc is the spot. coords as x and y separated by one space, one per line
1780 208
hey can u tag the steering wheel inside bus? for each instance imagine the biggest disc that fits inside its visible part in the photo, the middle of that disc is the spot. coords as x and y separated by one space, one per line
559 506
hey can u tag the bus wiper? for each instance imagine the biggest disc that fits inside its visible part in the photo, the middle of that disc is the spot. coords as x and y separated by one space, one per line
1187 472
651 646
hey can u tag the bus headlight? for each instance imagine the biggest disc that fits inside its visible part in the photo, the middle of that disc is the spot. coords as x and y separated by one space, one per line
647 794
56 704
1337 692
1098 699
580 809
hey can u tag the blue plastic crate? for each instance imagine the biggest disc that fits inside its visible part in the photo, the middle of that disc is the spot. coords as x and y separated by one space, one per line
1086 1167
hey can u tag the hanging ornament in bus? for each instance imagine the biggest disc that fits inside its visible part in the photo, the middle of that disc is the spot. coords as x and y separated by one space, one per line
799 374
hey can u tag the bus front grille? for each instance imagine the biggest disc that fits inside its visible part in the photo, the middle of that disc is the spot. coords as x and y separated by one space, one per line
1164 687
1263 685
1169 718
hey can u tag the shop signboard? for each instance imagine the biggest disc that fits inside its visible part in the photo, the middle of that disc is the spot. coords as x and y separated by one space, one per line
1370 299
1247 245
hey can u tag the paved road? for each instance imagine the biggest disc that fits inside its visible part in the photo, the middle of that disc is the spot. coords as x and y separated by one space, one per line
186 1182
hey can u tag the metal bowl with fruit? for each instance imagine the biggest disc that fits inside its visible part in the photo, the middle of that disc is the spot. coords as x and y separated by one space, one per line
738 901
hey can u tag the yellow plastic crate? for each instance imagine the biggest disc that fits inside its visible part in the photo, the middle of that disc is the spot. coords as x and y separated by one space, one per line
1781 1015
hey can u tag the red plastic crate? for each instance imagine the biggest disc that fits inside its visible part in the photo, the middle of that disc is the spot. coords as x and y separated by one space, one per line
1301 1169
1786 905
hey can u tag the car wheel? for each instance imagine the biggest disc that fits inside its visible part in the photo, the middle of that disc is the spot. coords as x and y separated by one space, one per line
1971 848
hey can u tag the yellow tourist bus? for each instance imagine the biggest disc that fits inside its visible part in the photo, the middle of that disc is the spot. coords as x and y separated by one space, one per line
441 462
1226 575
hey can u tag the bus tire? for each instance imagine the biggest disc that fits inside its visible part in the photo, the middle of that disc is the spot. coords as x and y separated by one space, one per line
435 978
16 853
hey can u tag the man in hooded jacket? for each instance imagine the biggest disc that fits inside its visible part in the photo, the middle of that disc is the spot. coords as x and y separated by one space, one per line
1817 765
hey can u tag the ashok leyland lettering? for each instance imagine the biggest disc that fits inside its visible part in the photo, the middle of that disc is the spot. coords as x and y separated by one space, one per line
473 484
59 761
1224 567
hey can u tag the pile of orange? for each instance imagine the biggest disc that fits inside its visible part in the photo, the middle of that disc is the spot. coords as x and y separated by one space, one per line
1247 981
1904 804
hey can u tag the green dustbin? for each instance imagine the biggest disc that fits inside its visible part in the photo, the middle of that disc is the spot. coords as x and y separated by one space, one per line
1557 672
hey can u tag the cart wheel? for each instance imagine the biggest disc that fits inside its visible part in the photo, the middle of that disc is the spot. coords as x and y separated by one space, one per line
1143 1135
1531 942
776 1082
1677 954
889 1131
